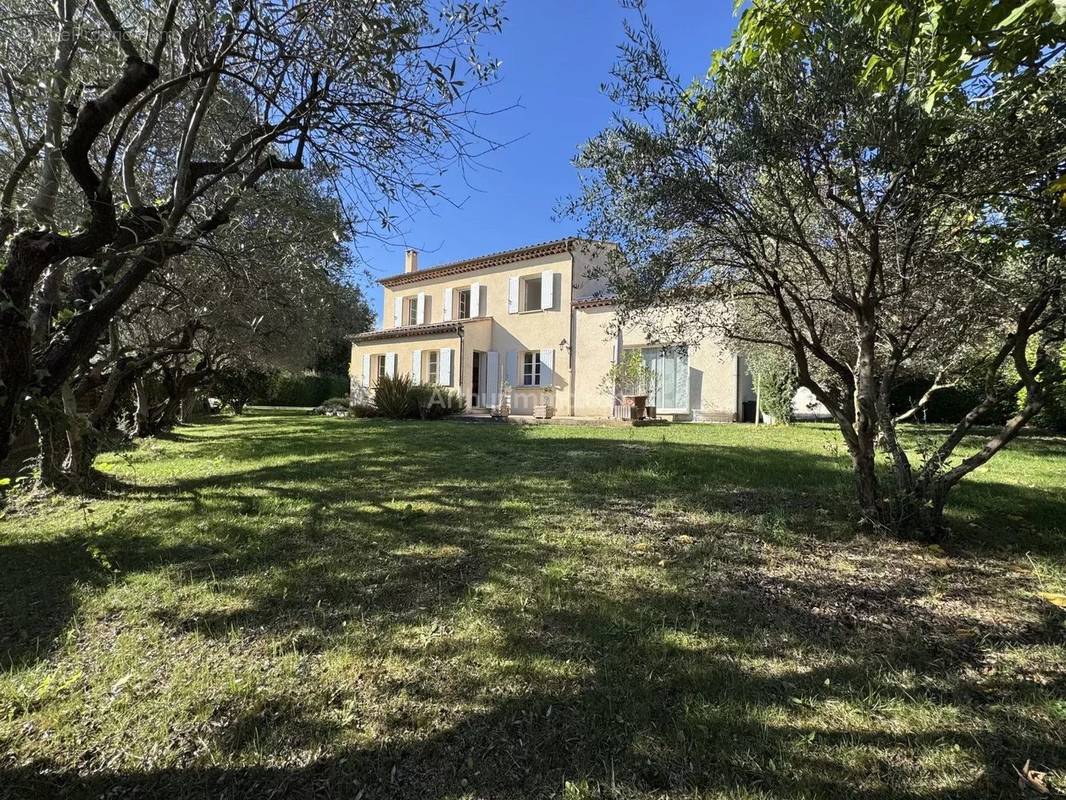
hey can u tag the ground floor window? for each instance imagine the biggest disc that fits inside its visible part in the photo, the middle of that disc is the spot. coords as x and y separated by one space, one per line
531 369
433 366
668 387
381 366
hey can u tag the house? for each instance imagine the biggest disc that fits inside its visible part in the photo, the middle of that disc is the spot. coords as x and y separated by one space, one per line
532 325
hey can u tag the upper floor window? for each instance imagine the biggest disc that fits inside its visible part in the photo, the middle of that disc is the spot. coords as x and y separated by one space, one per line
531 369
412 311
464 303
531 293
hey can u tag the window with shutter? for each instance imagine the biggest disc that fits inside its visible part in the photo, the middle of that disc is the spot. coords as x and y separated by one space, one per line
531 293
445 366
547 367
446 306
475 300
512 295
433 366
547 291
531 369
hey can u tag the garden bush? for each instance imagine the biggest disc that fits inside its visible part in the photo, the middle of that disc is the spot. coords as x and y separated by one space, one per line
434 402
395 397
400 398
333 407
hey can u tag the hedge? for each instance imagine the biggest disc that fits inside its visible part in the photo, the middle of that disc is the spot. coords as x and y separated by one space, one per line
289 389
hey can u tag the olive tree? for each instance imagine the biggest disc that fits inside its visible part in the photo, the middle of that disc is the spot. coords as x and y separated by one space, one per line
873 188
265 295
133 134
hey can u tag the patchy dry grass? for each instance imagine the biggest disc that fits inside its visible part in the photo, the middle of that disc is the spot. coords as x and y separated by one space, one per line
289 606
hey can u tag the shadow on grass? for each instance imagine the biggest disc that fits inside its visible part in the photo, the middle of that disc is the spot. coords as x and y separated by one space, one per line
394 525
651 718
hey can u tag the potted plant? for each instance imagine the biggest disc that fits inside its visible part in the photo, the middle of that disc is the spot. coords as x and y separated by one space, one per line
503 410
627 380
545 409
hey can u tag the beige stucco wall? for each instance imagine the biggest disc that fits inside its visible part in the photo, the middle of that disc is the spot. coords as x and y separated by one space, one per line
493 281
594 347
506 332
404 350
713 370
477 335
581 339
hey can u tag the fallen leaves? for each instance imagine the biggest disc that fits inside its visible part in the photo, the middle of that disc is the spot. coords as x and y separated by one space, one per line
1037 780
1053 598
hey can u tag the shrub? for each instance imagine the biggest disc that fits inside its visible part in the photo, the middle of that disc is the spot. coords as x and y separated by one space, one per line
776 383
236 386
362 411
400 398
334 407
395 398
435 402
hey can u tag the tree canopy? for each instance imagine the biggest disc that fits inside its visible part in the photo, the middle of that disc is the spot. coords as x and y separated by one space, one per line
148 150
874 188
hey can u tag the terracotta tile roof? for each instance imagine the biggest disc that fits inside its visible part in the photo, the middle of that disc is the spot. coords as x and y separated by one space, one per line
408 330
594 302
405 331
489 260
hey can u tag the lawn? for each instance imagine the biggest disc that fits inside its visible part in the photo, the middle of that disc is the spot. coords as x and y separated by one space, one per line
290 606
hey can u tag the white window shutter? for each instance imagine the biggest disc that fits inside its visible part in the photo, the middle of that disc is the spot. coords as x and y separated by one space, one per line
547 367
397 312
492 379
512 368
420 309
512 295
475 300
366 369
444 371
416 366
547 290
446 306
390 364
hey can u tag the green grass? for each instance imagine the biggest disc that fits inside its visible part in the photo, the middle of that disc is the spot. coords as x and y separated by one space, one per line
293 606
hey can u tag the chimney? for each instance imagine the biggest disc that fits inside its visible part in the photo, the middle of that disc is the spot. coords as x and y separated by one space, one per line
410 261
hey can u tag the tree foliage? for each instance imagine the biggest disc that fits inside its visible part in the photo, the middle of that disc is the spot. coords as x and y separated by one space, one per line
140 140
774 373
874 188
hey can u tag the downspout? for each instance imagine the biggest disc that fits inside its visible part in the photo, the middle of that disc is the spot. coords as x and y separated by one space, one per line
573 331
462 362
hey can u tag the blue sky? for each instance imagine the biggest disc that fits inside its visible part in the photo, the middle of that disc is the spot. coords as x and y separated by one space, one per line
555 54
